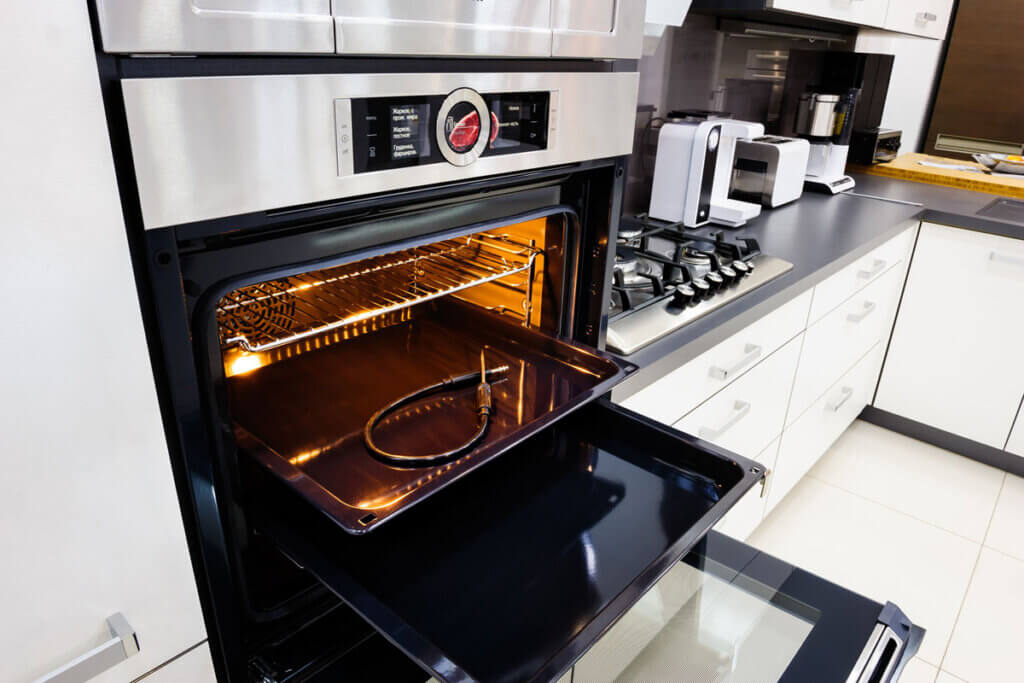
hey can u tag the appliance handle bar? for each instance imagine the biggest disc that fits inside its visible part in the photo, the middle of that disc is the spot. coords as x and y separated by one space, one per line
740 409
869 308
123 643
751 352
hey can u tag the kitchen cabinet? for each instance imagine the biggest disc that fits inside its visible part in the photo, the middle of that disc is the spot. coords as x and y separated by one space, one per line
807 439
955 362
92 524
861 12
1015 444
683 389
928 18
747 415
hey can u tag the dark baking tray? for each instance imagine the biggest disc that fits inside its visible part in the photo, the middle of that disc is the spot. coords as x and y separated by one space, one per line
514 572
303 418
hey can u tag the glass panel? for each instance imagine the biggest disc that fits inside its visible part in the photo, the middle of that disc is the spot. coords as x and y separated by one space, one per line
696 626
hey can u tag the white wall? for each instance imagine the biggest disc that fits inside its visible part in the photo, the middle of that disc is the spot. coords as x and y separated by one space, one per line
914 75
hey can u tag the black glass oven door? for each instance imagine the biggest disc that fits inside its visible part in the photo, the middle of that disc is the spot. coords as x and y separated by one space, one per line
730 613
518 568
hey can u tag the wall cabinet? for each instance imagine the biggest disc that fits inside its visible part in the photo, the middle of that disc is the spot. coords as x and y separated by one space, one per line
955 361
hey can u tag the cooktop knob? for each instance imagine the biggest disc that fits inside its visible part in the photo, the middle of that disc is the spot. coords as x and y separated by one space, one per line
741 267
701 289
730 275
683 296
715 280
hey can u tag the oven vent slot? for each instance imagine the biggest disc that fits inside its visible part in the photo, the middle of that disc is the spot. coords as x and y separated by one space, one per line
279 312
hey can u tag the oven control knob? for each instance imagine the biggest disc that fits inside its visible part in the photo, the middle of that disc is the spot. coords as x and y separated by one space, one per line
730 275
701 289
683 296
463 126
715 280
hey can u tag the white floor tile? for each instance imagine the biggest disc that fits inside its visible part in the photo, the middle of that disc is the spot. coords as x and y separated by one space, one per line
946 677
986 645
1007 531
925 482
918 671
875 551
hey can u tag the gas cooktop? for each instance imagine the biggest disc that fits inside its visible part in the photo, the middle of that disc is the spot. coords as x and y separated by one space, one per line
667 276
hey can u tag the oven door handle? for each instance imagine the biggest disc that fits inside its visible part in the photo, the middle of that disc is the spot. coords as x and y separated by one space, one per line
740 409
123 643
893 642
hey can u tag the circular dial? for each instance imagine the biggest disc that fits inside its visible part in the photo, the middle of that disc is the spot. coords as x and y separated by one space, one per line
463 126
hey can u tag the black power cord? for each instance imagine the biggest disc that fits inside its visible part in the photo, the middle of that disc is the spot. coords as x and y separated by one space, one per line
484 406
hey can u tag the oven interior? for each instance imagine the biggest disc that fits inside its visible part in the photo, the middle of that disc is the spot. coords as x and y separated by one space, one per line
311 357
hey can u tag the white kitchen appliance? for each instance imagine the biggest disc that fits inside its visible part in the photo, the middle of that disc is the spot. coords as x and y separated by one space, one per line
693 169
770 170
826 121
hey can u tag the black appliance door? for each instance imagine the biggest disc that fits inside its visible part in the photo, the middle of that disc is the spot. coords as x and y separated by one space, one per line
516 570
729 612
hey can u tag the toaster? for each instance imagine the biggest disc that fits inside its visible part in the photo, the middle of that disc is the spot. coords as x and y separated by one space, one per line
769 170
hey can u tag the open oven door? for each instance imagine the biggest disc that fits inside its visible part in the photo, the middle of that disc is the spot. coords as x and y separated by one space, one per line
514 572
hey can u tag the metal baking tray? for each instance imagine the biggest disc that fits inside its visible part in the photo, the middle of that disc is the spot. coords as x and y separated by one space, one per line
303 418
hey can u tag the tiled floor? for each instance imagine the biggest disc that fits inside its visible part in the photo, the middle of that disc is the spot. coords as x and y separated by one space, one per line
940 535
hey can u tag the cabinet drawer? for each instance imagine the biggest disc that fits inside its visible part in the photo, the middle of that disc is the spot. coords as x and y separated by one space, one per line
833 344
683 389
748 414
863 12
928 18
806 440
745 515
854 277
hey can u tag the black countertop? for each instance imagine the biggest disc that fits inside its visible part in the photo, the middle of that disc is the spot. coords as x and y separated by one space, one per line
819 235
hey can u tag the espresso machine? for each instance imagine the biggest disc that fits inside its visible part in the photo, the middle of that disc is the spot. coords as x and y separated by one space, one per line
825 120
693 170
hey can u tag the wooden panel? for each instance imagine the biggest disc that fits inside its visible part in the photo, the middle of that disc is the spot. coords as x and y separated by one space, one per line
979 95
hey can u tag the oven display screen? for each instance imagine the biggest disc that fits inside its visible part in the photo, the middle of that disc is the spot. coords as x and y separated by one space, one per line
393 132
410 127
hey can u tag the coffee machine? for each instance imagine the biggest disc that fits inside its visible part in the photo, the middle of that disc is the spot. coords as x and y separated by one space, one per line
825 120
693 170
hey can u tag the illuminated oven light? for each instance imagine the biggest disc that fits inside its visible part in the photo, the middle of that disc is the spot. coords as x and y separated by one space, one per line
245 363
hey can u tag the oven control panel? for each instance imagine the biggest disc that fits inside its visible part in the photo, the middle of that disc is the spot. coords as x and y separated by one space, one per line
385 133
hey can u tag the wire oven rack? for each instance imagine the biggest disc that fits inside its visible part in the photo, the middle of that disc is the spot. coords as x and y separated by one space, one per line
279 312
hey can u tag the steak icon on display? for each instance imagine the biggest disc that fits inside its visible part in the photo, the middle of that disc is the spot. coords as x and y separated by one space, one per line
462 127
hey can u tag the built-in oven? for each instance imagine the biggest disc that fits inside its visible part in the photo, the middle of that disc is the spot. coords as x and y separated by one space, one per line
605 29
376 307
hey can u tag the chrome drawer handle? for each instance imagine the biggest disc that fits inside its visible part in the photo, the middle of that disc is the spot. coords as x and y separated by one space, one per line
751 352
876 268
925 17
869 308
834 406
123 643
740 409
1009 259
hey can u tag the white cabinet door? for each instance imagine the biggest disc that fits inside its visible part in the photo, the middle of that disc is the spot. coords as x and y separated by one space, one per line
195 666
1016 443
928 18
90 519
861 12
955 361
